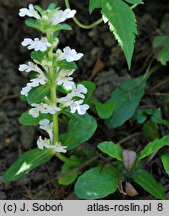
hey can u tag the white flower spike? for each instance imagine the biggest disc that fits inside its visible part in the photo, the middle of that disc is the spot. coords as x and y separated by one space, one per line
64 78
60 16
31 12
69 54
36 44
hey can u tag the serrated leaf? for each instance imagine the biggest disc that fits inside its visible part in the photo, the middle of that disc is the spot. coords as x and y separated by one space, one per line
154 146
79 131
162 43
149 184
38 55
93 4
67 65
122 23
104 110
97 183
27 162
127 97
165 161
27 119
111 149
33 23
135 1
37 94
63 26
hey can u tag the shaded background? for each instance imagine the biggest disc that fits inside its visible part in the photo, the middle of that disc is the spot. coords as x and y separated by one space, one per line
103 63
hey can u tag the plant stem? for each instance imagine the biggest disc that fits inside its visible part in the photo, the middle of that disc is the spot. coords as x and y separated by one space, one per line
81 24
55 116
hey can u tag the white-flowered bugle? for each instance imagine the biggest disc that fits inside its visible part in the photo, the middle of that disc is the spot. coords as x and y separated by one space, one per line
48 72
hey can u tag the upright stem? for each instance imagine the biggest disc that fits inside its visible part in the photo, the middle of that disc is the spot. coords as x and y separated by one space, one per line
55 116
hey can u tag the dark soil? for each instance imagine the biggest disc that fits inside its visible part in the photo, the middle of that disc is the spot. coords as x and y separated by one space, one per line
103 63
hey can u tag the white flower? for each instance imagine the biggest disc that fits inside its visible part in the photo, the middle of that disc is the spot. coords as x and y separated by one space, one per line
77 105
47 126
69 54
40 80
43 108
36 44
60 16
47 144
64 78
30 66
31 12
78 91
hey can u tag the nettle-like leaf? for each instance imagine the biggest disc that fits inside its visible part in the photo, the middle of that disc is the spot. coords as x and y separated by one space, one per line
93 4
162 43
149 184
111 149
122 23
154 146
27 162
127 98
80 129
67 65
97 183
38 93
165 161
104 110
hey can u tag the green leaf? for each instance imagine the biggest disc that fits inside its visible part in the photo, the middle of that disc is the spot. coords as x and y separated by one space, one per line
63 26
28 120
33 23
104 110
150 130
162 43
165 161
38 55
149 184
93 4
66 168
111 149
38 93
27 162
154 146
122 23
127 98
135 1
97 183
52 6
79 131
67 65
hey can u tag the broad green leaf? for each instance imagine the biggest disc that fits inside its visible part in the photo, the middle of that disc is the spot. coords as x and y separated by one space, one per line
66 168
134 1
37 94
91 86
93 4
150 130
127 98
79 131
67 65
154 146
28 120
122 23
111 149
97 183
104 110
149 184
27 162
162 43
165 161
